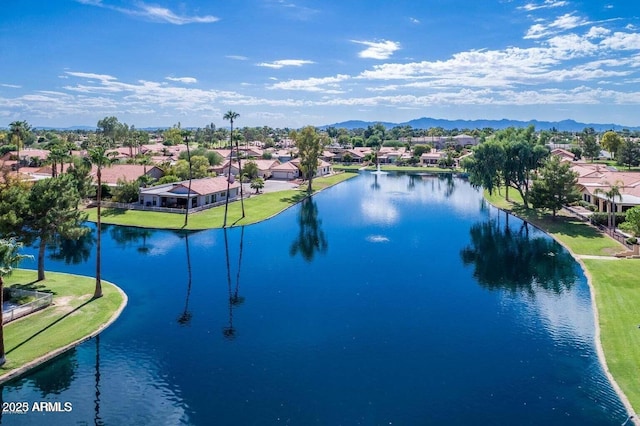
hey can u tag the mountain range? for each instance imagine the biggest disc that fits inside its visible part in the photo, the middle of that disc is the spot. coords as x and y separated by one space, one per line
426 123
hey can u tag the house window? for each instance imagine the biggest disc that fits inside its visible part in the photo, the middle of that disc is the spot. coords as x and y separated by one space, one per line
223 194
214 198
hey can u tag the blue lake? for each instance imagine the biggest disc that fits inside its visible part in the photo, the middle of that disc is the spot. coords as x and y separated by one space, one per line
387 299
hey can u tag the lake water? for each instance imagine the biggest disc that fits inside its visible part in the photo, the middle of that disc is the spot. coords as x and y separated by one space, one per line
387 299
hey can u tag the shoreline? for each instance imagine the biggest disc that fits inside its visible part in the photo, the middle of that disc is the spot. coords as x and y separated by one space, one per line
602 359
38 362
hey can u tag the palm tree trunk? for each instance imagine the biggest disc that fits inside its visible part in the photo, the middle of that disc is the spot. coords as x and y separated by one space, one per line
2 355
226 201
240 173
186 214
41 251
98 290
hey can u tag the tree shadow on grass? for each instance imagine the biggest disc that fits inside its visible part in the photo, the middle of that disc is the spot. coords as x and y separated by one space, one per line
565 225
294 198
113 212
33 286
68 314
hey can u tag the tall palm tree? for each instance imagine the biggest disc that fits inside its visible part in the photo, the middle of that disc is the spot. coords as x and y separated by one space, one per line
185 134
19 131
231 116
9 259
99 157
611 194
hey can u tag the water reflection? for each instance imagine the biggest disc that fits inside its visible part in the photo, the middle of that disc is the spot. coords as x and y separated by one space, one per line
58 378
97 420
126 236
449 184
185 316
511 260
72 252
234 297
311 237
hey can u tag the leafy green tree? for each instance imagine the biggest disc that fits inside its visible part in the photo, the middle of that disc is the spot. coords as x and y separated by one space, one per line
310 148
80 170
9 259
111 129
170 178
126 192
522 157
214 158
250 170
199 168
485 167
14 207
53 211
611 141
590 147
628 153
632 221
19 131
554 186
257 184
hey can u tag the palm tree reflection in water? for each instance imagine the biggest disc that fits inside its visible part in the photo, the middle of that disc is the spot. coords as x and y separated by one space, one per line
185 317
235 299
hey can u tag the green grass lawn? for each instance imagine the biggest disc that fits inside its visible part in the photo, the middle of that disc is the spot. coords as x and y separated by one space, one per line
617 296
615 284
257 208
578 236
73 316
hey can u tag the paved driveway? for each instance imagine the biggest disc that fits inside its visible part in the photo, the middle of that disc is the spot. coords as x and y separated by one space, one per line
271 185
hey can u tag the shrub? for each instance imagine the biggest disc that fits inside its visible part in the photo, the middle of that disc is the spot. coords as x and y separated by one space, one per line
631 240
600 218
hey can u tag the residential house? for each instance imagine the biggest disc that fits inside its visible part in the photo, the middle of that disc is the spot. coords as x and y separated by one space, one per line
210 191
323 169
431 158
594 179
125 172
285 171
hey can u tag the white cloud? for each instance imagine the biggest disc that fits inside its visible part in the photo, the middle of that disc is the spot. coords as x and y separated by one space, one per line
186 80
325 85
548 4
378 49
11 86
154 13
237 57
414 20
285 63
565 22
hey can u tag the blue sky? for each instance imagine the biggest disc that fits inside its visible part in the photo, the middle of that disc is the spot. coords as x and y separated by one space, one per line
289 63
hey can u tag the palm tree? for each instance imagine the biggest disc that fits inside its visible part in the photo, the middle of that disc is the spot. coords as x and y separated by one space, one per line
185 134
9 259
19 131
611 195
231 116
99 157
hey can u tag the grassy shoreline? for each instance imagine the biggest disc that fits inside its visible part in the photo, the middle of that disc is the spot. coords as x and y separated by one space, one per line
614 288
258 208
73 318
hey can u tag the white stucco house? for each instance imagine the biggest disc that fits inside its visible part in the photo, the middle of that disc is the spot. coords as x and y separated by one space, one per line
285 171
207 191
